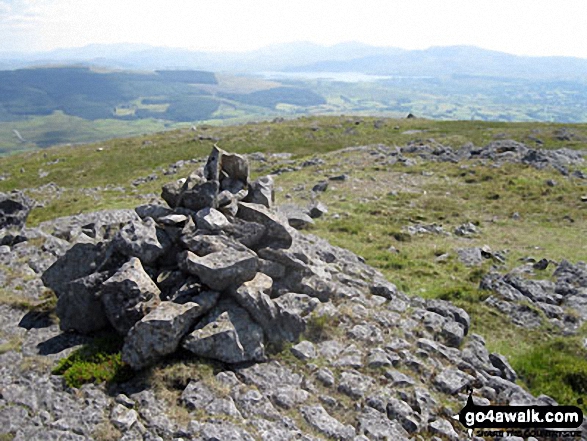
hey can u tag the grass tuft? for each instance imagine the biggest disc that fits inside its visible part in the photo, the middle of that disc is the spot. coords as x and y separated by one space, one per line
96 362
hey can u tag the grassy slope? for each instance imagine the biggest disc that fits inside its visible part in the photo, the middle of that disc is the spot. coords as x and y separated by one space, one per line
552 224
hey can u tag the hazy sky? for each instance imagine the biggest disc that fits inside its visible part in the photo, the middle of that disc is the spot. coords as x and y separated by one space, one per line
525 27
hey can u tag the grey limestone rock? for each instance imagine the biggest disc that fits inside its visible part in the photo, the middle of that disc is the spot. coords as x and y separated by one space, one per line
158 333
221 269
443 428
470 256
288 397
129 295
123 418
318 418
99 226
377 426
197 395
227 334
282 318
204 244
304 350
450 311
354 384
501 363
79 306
325 376
402 412
211 219
268 376
79 261
141 239
276 235
296 216
14 210
317 209
200 195
222 165
452 381
225 431
261 192
171 192
154 211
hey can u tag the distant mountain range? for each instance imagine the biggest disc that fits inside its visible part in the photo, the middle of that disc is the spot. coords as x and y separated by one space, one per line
309 57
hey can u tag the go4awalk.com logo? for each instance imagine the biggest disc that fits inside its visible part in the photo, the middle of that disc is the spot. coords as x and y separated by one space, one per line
538 421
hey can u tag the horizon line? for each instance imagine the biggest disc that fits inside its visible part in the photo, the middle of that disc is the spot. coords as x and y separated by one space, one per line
147 46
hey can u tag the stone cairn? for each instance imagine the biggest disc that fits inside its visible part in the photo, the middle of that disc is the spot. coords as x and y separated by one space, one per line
217 272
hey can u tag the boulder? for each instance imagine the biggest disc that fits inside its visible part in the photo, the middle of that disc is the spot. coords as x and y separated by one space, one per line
227 203
80 260
79 306
129 295
220 269
211 219
470 256
317 209
158 333
282 319
199 196
248 234
204 244
155 211
276 233
293 311
222 165
171 192
261 192
227 334
14 210
253 296
141 239
296 216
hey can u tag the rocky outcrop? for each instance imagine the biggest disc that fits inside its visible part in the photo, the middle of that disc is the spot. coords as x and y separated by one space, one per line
528 302
499 152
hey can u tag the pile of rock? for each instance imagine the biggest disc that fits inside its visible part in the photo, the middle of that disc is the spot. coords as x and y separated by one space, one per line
217 272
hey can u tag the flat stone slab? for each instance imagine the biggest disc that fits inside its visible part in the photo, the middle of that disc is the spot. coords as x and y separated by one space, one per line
221 269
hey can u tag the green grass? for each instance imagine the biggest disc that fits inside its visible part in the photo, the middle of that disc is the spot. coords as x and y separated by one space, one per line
95 362
557 368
